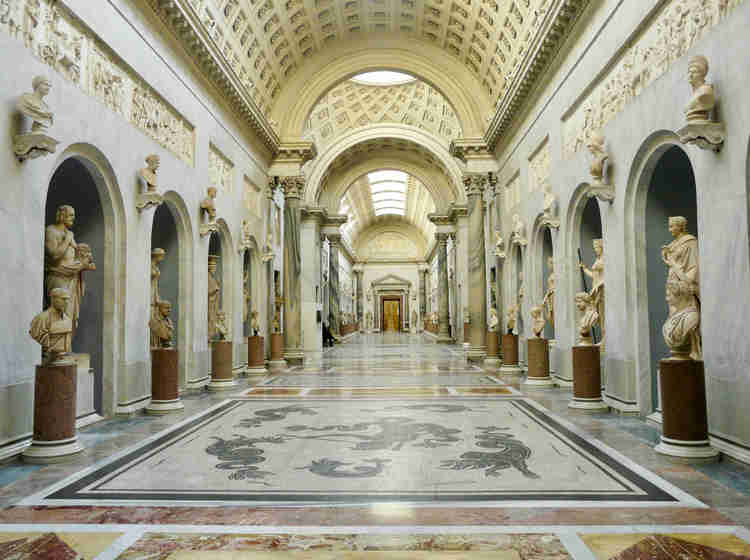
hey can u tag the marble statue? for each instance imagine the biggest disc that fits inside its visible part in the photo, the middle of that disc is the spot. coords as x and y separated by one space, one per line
681 258
150 196
492 320
214 294
161 326
600 187
413 318
268 253
682 328
467 315
65 261
521 288
499 246
222 327
550 210
53 329
549 296
245 297
157 256
36 142
589 318
511 315
537 320
254 323
208 211
519 231
596 273
700 129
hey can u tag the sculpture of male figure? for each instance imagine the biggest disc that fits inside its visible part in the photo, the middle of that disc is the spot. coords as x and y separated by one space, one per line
549 297
254 324
511 315
162 328
149 173
222 329
596 147
157 256
65 261
589 318
208 205
698 109
53 329
214 293
681 330
32 105
537 320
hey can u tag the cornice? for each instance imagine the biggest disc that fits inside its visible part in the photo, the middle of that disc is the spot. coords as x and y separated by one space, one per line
296 152
470 148
180 18
556 27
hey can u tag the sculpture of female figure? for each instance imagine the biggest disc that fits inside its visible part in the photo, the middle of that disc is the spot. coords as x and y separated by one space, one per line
53 329
600 157
549 296
32 105
596 273
589 318
214 294
65 261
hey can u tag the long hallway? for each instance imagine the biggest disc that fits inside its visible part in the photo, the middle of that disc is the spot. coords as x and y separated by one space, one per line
394 444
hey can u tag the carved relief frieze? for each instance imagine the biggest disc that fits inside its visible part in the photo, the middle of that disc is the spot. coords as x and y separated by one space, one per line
539 167
671 33
219 170
62 42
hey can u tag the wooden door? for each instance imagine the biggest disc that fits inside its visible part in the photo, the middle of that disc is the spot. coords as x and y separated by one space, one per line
391 315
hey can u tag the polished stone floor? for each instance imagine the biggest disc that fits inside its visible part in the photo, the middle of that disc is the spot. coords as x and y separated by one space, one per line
392 447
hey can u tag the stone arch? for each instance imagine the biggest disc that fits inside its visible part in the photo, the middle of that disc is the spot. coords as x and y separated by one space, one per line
323 162
112 262
424 61
642 291
175 205
541 248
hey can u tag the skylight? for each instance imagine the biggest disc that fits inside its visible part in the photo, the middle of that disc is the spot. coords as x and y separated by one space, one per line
388 192
383 78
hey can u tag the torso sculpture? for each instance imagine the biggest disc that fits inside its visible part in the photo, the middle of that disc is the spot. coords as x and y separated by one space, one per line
53 330
222 328
65 261
161 326
214 294
589 318
511 318
549 296
492 321
596 273
149 174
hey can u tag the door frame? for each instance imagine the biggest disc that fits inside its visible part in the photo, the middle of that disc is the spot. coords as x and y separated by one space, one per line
383 299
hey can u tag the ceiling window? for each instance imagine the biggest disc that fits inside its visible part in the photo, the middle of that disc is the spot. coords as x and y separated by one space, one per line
383 78
388 192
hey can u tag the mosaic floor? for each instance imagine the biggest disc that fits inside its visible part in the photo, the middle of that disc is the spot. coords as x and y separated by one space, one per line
392 448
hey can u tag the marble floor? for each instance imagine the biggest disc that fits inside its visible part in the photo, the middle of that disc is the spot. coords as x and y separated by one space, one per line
392 447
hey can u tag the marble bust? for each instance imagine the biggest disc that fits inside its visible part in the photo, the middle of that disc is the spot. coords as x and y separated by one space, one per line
162 328
550 210
600 187
519 230
36 142
700 129
492 320
65 261
254 323
537 320
589 318
222 328
208 212
150 195
511 318
53 330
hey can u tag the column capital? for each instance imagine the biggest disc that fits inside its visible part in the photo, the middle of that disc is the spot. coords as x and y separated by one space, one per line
476 183
293 186
442 238
271 188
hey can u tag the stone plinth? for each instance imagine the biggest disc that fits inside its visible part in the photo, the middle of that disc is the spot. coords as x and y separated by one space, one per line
538 358
467 333
510 355
165 383
684 417
54 437
277 361
256 363
492 361
221 366
587 380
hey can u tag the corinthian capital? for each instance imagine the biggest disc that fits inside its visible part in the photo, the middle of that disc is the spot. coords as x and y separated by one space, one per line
476 183
293 186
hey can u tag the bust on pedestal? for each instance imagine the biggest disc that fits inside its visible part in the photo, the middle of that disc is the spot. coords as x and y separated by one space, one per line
165 383
492 361
221 357
35 143
256 363
538 352
510 344
587 374
54 436
700 129
149 196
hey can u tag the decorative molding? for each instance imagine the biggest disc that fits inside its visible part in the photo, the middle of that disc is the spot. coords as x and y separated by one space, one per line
470 148
293 187
296 152
220 170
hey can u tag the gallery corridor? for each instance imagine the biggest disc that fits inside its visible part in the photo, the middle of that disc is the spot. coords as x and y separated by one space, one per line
393 444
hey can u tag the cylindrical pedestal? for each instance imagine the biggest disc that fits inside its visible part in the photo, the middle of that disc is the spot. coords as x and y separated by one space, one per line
510 355
54 437
492 361
587 380
467 334
538 356
277 361
221 366
256 362
165 385
684 416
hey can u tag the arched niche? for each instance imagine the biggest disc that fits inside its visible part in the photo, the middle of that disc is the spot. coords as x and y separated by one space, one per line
590 228
251 271
215 254
547 253
516 285
84 179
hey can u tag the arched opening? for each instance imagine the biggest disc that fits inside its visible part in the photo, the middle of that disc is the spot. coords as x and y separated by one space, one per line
590 229
547 270
215 283
519 289
74 184
671 192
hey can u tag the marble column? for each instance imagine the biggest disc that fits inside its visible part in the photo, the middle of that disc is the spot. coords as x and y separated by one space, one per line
442 255
360 275
334 241
293 188
475 184
422 295
271 306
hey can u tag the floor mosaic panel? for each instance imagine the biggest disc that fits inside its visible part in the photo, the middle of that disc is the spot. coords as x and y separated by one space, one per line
345 380
462 450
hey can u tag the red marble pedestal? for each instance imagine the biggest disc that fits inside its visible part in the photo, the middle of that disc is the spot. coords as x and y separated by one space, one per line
165 383
467 333
538 358
492 361
587 380
221 366
54 438
510 355
683 409
256 363
277 361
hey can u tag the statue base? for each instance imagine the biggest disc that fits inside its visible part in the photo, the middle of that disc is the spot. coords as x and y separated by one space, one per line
221 366
256 363
467 334
33 145
54 438
587 380
492 361
684 415
277 361
208 228
538 358
165 385
147 200
707 135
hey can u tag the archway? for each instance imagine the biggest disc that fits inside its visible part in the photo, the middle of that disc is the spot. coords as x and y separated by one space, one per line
547 255
589 230
216 286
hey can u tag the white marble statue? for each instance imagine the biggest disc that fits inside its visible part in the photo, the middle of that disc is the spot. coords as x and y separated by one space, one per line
150 195
254 323
549 296
65 261
223 331
681 258
596 273
550 211
499 246
700 129
511 317
600 187
208 212
35 142
161 326
519 231
214 295
537 320
53 329
589 318
492 320
681 330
